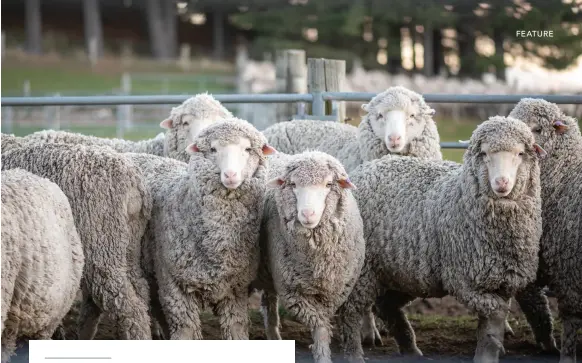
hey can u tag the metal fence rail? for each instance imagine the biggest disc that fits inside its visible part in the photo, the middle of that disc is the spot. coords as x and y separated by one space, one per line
317 101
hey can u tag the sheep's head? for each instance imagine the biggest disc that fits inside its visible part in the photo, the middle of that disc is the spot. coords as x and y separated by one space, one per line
547 122
193 115
308 184
235 146
398 116
502 150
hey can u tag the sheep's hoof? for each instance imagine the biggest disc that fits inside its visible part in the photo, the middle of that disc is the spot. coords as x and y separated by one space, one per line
549 348
413 352
378 342
369 342
508 330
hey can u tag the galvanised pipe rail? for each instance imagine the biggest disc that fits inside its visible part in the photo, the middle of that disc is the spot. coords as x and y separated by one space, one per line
457 98
272 98
150 100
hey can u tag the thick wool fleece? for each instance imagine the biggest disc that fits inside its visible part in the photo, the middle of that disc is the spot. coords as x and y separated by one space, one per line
10 142
355 145
561 182
42 258
111 207
153 146
204 237
434 228
201 107
312 270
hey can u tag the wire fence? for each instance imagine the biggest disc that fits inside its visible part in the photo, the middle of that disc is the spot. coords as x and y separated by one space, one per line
317 100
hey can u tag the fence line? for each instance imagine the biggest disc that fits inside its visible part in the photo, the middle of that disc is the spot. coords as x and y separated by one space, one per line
317 99
272 98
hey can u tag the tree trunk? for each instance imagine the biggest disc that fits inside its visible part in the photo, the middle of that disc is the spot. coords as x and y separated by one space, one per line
93 28
33 27
218 34
394 50
170 28
498 38
429 50
467 53
438 57
156 29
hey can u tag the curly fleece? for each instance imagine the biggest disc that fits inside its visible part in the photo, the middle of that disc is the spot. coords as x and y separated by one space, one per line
434 228
111 207
42 258
202 238
312 270
355 145
561 242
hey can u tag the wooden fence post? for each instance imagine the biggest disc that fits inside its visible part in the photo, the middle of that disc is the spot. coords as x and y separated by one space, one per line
291 77
326 75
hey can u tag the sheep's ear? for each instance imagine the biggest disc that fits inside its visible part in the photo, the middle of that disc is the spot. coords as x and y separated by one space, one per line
346 183
192 148
166 124
276 182
430 112
560 127
541 152
366 107
268 150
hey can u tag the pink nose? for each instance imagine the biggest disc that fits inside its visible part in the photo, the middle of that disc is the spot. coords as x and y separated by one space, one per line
501 182
394 139
229 174
308 213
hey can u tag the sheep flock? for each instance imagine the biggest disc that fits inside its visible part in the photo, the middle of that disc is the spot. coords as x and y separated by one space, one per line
334 223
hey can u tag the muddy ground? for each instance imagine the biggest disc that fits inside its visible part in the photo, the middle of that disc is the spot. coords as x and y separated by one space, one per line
445 332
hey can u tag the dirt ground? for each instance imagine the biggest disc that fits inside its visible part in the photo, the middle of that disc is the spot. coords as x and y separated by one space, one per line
443 328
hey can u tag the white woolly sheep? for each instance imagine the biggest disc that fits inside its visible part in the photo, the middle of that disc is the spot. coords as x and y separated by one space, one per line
42 258
202 239
470 230
111 207
398 121
10 142
312 244
561 183
184 123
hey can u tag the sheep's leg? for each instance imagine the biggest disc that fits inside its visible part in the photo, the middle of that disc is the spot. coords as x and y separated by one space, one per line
570 326
534 304
180 309
352 311
89 317
159 325
270 311
390 309
132 314
370 334
233 315
315 318
490 334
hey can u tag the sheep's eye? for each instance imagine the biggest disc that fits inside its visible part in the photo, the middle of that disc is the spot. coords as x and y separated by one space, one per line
482 154
248 149
380 116
212 149
292 185
412 116
521 153
328 185
186 123
537 130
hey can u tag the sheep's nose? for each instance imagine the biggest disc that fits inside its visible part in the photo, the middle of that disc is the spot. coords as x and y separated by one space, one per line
394 139
229 174
502 182
308 213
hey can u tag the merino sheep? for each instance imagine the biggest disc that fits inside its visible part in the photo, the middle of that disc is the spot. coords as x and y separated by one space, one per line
111 207
184 123
312 244
436 227
42 258
561 242
398 121
202 239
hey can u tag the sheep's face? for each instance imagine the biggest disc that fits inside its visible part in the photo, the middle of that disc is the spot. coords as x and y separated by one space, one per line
310 183
234 161
502 166
398 124
546 121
